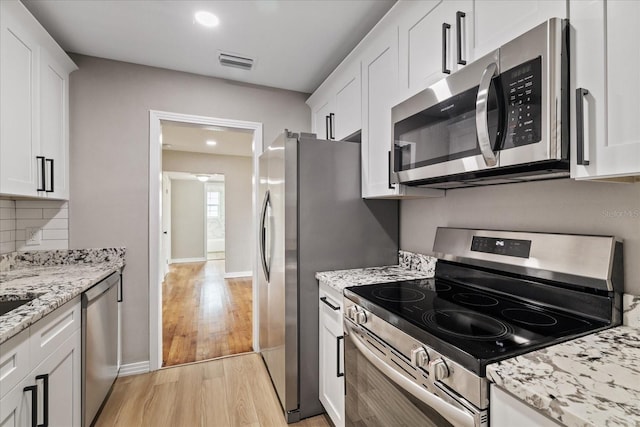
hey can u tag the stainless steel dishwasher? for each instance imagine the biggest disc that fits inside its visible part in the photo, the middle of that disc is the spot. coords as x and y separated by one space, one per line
99 344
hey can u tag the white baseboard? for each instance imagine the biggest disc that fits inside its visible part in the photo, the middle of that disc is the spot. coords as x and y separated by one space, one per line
179 260
134 368
235 274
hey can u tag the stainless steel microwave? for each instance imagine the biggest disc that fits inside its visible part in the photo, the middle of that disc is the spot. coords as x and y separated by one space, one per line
503 118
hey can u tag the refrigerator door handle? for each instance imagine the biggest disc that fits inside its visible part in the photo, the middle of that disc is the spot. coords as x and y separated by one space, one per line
263 234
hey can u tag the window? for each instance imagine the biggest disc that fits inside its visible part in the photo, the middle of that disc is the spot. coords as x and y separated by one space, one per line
213 204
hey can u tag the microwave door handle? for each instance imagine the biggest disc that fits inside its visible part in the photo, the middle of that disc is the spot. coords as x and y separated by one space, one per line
482 115
455 416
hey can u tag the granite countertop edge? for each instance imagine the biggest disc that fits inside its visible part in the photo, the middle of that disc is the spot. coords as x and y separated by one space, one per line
52 286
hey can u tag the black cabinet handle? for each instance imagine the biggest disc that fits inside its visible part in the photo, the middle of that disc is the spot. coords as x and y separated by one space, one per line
50 161
326 127
43 172
459 16
445 28
34 403
580 94
338 373
120 295
331 125
333 307
45 403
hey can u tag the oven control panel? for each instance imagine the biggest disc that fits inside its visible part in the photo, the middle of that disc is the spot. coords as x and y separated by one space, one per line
522 86
511 247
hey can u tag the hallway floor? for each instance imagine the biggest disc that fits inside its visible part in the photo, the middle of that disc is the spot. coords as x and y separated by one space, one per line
204 316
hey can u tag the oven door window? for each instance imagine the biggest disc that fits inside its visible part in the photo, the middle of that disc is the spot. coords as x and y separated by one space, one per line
446 131
374 400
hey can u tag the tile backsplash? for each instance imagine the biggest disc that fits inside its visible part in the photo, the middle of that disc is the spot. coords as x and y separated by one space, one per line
48 218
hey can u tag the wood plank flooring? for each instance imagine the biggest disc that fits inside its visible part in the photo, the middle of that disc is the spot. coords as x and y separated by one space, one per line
204 316
228 392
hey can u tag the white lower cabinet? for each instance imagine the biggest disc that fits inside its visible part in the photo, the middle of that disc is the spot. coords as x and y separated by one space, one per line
331 354
508 411
53 384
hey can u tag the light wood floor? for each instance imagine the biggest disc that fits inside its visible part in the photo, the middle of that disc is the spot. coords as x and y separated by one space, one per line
229 392
204 316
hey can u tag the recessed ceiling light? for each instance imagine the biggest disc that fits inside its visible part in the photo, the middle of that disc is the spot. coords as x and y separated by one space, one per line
207 19
211 142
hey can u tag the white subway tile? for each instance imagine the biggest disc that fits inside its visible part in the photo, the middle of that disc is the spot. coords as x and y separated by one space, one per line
32 204
22 213
48 224
21 235
44 245
7 236
7 213
7 247
55 213
55 234
11 204
7 224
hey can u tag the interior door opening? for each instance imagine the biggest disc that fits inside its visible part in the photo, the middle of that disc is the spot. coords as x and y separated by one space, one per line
205 233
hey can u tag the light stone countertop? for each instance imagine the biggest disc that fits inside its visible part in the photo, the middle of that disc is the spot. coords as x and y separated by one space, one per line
52 278
590 381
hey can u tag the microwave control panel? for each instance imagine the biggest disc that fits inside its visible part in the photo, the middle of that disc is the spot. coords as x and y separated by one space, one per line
522 86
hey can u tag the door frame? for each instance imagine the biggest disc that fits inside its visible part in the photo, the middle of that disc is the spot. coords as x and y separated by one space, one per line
155 220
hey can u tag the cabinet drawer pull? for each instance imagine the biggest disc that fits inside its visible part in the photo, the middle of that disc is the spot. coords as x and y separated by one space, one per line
50 161
580 147
459 16
445 29
331 126
34 403
338 373
327 125
45 395
43 172
333 307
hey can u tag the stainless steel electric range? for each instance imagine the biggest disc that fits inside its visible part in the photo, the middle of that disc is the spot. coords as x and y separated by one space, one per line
416 351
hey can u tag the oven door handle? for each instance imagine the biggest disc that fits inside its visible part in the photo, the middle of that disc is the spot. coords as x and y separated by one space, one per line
455 416
482 115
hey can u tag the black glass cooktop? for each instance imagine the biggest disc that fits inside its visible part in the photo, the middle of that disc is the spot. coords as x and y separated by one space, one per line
485 325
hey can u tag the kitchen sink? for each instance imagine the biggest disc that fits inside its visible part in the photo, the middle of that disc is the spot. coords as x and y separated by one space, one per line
7 306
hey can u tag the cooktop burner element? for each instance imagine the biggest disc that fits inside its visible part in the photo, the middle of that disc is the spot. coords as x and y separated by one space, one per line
467 324
396 294
474 299
529 317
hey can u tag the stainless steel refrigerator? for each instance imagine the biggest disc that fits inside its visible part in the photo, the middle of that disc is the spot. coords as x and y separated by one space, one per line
312 219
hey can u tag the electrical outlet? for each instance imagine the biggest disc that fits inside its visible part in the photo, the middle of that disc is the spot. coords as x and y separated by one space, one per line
33 236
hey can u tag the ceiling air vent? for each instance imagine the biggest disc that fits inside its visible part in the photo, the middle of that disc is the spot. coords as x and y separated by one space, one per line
230 60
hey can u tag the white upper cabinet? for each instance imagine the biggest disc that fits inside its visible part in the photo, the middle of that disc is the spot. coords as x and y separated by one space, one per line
335 107
379 89
435 41
497 22
605 89
34 93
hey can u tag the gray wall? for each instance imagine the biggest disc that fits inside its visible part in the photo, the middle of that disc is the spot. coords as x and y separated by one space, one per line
561 206
237 175
187 219
109 158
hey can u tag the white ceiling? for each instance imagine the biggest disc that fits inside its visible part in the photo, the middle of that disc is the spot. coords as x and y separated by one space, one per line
186 176
295 43
177 136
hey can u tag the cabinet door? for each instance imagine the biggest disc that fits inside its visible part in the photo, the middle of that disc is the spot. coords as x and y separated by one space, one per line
18 114
499 21
607 59
331 384
16 405
348 104
507 411
379 92
63 375
54 138
426 49
321 120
